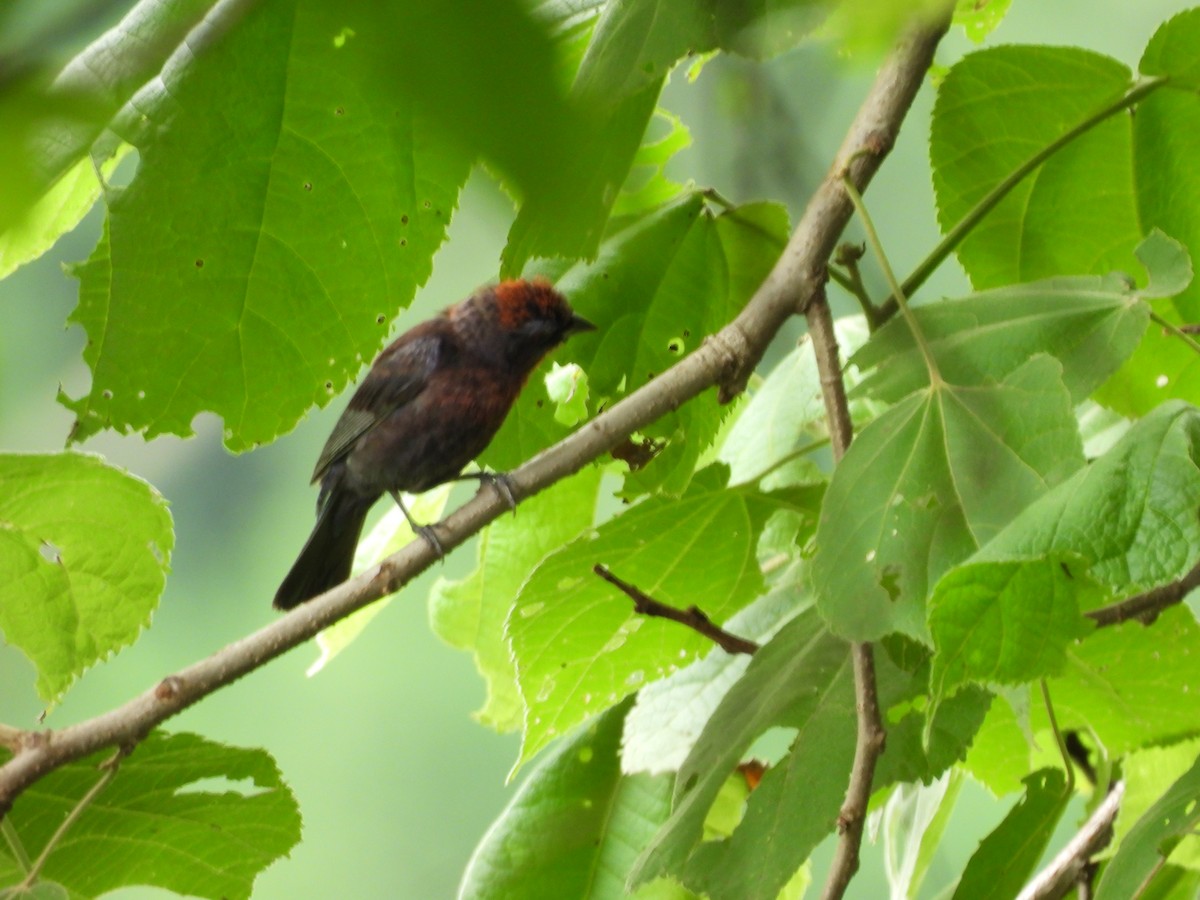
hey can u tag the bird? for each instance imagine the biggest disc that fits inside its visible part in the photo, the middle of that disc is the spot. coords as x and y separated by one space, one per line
430 403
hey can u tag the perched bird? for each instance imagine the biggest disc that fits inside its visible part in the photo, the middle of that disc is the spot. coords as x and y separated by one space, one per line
430 404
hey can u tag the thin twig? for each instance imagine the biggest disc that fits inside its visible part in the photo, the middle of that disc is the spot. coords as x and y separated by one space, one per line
693 617
1147 606
1057 879
726 360
871 736
849 278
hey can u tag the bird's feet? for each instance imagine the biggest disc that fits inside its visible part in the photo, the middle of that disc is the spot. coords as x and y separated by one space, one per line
425 531
499 482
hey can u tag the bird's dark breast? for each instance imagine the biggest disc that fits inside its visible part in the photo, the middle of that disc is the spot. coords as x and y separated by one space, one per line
428 441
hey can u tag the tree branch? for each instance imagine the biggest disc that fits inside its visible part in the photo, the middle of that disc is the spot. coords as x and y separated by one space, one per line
1147 606
870 738
693 617
725 360
902 73
1057 879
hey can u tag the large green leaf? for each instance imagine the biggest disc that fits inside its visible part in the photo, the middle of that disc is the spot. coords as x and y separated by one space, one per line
1131 514
578 643
1148 775
634 45
84 553
259 288
1091 324
52 126
926 484
469 613
1166 138
1007 622
159 822
1007 856
801 679
1156 834
574 827
1077 213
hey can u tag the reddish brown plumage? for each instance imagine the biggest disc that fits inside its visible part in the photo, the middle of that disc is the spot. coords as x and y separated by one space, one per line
431 402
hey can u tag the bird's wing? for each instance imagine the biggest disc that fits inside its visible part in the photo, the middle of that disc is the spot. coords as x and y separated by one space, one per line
399 375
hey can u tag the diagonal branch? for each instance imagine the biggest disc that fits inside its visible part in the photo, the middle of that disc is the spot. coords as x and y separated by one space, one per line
725 360
1148 605
693 617
1058 878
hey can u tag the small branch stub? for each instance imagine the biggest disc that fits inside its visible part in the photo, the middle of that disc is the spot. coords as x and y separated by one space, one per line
692 617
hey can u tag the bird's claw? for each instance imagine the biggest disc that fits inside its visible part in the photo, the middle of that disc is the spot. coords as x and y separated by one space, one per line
502 485
431 538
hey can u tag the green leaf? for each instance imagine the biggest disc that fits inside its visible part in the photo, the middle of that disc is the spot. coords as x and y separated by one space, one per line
920 750
58 211
42 890
1148 774
1172 51
1007 622
50 128
469 614
389 535
1152 839
926 484
1131 513
578 643
160 822
1091 324
648 186
1007 857
1131 685
977 19
771 841
801 679
1077 212
84 553
254 309
574 826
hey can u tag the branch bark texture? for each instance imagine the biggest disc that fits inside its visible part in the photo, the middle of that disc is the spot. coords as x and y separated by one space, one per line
725 360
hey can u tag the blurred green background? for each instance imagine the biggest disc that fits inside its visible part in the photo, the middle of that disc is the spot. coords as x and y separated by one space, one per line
395 781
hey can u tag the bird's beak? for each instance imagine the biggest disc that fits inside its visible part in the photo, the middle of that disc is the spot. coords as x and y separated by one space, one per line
578 323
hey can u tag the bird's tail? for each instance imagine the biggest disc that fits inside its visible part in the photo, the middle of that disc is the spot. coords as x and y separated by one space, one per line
328 554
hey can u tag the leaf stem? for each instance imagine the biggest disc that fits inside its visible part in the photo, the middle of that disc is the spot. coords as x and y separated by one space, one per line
963 227
795 454
1058 737
1175 330
935 376
110 767
14 844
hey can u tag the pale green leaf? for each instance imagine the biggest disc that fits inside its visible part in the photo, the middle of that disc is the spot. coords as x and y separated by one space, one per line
84 553
161 821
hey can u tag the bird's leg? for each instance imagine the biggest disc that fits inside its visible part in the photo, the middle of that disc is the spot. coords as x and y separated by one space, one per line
425 531
499 482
